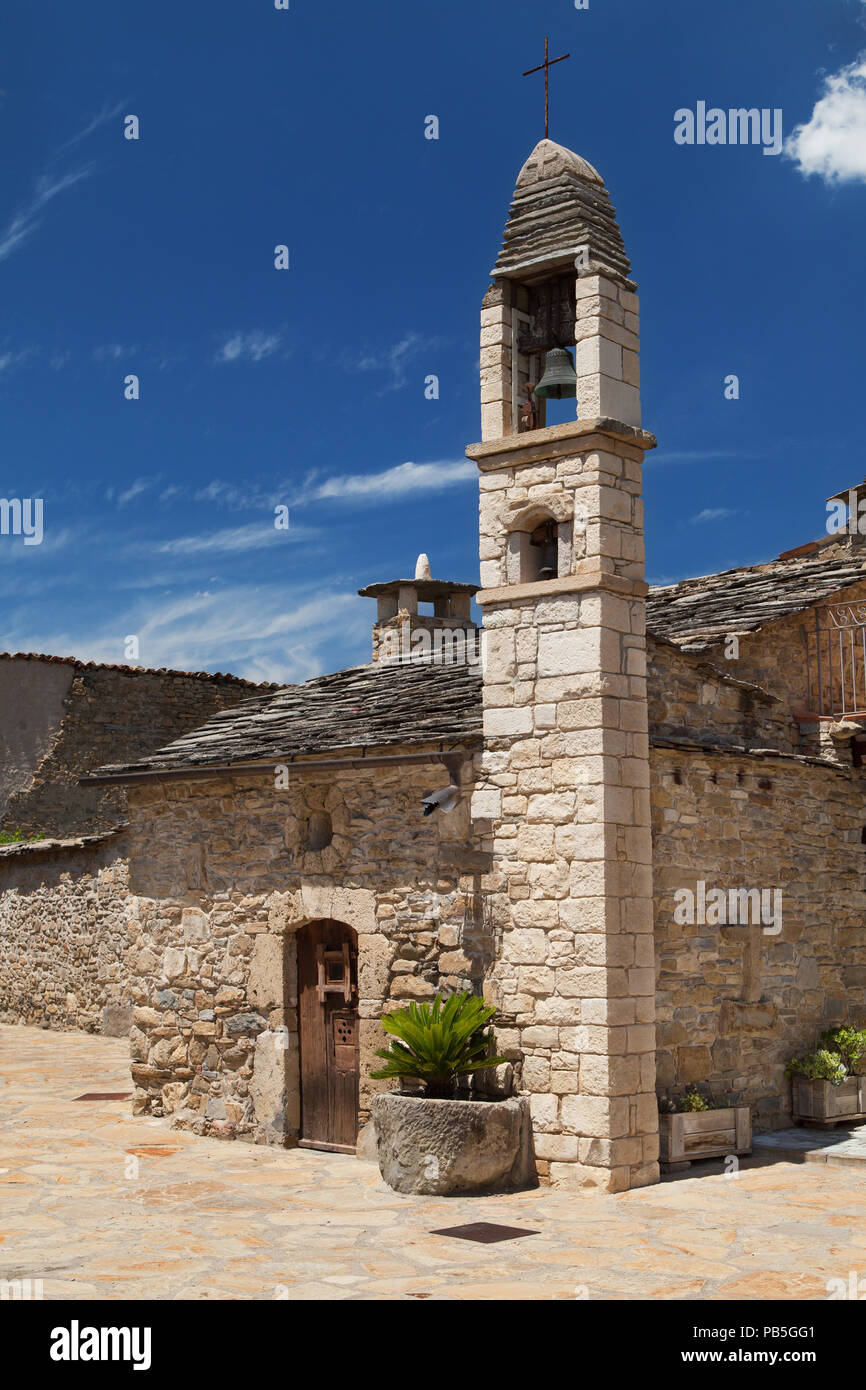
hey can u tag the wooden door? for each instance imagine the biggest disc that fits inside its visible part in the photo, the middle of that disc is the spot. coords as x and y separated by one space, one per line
328 1008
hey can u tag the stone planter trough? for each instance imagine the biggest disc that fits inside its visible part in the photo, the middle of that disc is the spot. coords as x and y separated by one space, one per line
822 1103
443 1147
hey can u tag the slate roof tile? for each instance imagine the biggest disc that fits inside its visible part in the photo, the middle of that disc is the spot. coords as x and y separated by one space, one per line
365 707
383 705
743 600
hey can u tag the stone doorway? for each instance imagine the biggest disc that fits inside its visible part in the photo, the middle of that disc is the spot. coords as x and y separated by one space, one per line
328 1035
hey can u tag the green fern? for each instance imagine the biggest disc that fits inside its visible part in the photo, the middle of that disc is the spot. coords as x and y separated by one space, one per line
437 1043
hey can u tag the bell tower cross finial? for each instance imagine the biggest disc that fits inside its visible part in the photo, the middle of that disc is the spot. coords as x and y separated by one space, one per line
545 68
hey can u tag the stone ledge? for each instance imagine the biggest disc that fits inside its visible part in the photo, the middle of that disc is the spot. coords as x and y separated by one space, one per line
557 438
53 846
565 584
739 750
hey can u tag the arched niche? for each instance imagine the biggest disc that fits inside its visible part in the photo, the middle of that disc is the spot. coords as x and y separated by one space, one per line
539 547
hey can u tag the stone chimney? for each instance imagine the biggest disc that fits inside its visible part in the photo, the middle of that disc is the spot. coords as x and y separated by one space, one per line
403 631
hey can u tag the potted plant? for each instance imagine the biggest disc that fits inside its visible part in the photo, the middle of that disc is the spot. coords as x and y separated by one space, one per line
827 1085
437 1139
693 1127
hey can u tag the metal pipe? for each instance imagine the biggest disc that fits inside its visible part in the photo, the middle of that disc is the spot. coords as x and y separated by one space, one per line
225 769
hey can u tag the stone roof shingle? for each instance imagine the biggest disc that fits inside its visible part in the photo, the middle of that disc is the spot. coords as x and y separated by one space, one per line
365 707
699 611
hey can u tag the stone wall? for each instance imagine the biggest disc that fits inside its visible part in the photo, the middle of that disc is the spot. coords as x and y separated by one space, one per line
780 655
32 698
221 880
691 697
64 942
69 718
734 1003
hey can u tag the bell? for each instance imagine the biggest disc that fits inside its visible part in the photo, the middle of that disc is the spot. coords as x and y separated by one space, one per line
559 377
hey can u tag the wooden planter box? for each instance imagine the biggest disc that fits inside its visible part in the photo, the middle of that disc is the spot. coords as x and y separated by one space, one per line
705 1134
822 1103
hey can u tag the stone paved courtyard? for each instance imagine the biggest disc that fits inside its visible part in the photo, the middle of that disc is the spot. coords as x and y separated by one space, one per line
209 1220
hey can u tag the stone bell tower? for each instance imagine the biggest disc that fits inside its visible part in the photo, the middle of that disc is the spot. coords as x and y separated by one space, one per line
564 804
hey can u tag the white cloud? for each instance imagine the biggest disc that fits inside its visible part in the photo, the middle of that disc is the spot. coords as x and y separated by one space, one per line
262 632
106 114
48 187
134 490
13 359
832 143
27 220
399 481
111 352
394 360
233 539
713 514
248 347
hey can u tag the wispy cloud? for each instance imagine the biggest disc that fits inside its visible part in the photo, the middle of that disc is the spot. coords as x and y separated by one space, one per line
10 358
269 633
50 185
254 346
27 220
832 143
712 514
234 539
265 632
399 481
134 490
111 352
107 113
393 361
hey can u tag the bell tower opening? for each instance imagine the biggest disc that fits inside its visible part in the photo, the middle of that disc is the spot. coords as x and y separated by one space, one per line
543 560
555 328
536 550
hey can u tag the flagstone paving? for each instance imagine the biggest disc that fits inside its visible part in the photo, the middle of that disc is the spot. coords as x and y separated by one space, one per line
99 1205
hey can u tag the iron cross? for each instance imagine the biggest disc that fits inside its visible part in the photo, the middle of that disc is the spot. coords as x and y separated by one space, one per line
545 68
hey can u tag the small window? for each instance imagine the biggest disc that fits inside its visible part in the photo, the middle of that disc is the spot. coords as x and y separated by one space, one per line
319 831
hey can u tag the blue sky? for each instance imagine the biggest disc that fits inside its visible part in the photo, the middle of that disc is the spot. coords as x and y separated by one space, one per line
305 388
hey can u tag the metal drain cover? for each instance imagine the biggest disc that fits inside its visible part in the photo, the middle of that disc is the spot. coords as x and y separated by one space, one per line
105 1095
485 1232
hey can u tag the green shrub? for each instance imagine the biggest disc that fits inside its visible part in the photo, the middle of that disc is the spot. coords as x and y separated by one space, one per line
820 1065
691 1102
688 1103
850 1043
437 1043
17 837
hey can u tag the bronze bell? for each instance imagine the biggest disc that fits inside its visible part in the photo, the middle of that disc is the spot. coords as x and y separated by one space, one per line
559 377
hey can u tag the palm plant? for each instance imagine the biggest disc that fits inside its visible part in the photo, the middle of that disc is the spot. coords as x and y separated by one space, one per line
437 1043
